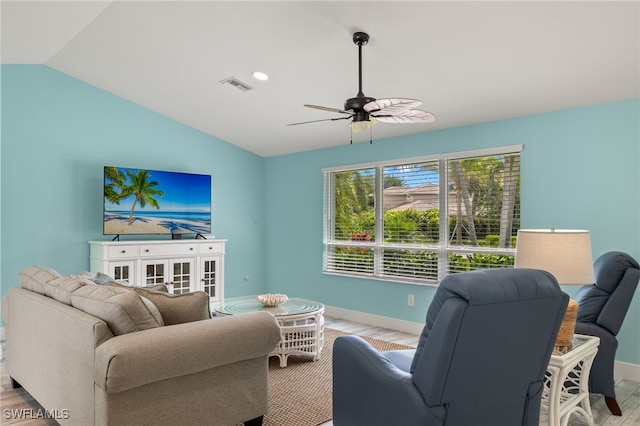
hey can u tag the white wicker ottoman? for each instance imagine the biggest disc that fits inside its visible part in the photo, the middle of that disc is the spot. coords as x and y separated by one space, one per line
301 324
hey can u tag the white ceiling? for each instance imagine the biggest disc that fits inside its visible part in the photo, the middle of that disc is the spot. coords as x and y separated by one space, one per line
469 62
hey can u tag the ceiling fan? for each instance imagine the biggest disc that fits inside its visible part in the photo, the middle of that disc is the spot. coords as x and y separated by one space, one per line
365 111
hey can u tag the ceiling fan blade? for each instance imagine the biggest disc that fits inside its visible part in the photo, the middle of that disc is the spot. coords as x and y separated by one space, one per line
316 121
410 116
391 105
341 111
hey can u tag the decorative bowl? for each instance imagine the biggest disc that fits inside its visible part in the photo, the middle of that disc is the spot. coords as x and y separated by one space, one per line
271 300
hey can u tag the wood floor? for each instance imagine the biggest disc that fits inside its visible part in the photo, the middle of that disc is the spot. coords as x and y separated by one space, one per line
628 392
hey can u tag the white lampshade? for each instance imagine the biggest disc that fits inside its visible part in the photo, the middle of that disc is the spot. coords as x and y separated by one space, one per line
565 253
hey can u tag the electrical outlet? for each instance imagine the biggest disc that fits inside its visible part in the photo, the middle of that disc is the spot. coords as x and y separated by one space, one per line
411 301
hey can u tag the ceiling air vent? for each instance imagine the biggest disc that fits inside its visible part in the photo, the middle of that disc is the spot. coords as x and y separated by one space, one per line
237 84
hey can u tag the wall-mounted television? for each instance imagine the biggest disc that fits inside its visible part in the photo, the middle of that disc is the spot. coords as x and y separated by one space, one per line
147 202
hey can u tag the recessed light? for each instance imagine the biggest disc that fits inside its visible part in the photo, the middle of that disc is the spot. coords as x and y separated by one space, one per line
259 75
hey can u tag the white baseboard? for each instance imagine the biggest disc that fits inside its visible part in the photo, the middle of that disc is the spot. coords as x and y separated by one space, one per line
621 370
376 320
626 370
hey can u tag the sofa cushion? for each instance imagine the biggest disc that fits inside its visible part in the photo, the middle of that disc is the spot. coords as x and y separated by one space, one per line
123 310
34 277
178 308
61 288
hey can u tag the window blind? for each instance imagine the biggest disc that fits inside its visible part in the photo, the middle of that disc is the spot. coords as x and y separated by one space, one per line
418 220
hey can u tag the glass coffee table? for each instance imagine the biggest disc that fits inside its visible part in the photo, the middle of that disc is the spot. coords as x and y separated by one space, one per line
301 324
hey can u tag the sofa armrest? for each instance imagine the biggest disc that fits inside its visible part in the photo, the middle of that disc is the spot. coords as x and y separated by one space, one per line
5 309
135 359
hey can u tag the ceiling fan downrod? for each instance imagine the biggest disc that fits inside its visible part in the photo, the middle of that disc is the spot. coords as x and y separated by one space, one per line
356 104
360 39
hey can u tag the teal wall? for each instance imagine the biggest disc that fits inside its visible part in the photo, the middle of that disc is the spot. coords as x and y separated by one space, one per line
579 170
58 133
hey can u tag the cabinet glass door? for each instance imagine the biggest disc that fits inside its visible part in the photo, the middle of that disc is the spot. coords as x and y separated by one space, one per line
208 276
154 272
181 276
122 272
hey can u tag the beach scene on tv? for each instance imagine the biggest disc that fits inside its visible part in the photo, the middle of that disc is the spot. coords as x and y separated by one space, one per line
138 201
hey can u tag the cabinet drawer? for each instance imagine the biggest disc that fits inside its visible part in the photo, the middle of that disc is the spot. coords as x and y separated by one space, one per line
153 250
120 252
211 248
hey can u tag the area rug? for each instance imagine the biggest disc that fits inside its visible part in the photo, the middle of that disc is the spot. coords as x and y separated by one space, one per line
301 393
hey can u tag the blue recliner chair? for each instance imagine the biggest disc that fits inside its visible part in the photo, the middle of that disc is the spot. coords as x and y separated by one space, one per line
480 360
601 310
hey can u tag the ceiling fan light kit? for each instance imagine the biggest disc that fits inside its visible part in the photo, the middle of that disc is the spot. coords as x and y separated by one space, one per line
365 111
358 126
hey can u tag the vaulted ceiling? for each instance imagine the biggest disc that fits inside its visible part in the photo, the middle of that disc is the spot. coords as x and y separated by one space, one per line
469 62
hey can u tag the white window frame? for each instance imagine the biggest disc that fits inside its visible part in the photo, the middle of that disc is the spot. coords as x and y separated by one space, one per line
442 248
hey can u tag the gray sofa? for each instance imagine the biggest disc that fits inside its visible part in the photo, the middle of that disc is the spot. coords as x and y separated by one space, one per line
100 355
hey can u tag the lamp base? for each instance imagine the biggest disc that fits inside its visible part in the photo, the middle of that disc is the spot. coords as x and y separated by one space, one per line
568 326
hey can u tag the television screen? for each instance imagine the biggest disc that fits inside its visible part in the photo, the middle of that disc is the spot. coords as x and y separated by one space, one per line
138 201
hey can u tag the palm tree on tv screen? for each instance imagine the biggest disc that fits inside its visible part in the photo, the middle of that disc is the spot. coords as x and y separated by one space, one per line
116 180
142 188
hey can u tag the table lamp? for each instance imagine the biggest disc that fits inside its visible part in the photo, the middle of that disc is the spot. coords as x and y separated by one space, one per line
566 254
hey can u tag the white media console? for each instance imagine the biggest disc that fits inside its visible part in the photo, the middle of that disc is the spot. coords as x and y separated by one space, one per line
183 265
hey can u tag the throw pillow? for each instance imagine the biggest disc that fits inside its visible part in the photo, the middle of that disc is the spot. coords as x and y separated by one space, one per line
102 279
153 310
34 277
156 287
178 308
124 311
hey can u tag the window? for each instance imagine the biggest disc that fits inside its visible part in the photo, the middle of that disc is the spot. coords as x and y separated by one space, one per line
420 219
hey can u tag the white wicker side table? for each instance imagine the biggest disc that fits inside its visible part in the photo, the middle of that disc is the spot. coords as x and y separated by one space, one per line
566 383
301 324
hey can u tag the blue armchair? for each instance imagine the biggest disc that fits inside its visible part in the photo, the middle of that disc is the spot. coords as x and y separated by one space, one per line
601 310
480 360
